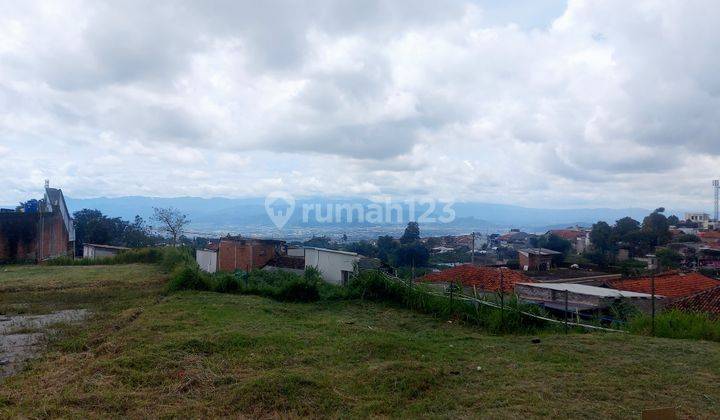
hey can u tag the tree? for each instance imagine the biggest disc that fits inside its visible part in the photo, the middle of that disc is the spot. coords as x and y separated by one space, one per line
673 220
91 226
412 255
319 242
138 235
411 234
657 226
668 258
364 248
624 227
687 238
555 243
387 245
172 222
602 237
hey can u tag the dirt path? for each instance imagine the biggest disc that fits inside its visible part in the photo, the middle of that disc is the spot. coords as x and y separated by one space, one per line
23 337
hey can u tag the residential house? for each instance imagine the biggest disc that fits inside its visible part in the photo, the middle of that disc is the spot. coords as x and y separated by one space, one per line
536 259
579 238
482 279
672 285
92 251
580 298
39 231
707 302
334 266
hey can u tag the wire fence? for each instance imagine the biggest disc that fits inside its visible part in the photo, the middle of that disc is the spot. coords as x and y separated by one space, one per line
477 301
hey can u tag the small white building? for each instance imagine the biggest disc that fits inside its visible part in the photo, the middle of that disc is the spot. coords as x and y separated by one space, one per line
334 266
92 251
207 260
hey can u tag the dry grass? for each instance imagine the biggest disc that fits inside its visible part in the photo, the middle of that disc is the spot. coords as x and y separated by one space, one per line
203 354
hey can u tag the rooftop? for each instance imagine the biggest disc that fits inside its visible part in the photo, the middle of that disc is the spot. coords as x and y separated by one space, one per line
706 302
106 246
672 285
485 278
539 251
589 290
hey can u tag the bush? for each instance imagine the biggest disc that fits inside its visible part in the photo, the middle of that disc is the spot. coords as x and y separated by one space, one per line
188 277
130 256
678 324
298 290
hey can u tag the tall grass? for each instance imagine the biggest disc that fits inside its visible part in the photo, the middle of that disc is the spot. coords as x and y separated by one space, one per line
130 256
677 324
378 287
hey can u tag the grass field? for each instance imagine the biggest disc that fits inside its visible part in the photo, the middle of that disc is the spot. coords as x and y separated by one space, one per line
203 354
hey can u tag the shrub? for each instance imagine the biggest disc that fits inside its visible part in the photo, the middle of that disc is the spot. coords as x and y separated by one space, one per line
188 277
225 283
130 256
299 290
677 324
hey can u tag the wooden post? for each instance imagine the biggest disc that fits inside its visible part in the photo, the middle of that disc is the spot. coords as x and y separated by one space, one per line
652 290
502 301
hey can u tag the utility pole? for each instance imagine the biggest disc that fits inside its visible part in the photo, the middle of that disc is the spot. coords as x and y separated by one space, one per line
472 250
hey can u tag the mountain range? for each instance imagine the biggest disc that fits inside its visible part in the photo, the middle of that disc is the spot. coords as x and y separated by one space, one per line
314 214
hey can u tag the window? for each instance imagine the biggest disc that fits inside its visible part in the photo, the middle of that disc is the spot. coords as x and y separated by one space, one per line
345 275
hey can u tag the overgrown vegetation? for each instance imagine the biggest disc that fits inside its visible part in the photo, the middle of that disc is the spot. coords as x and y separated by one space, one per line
677 324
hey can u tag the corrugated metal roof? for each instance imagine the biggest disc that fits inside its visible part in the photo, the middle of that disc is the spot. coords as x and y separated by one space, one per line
589 290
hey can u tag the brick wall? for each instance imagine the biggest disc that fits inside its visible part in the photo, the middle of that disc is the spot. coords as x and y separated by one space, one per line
33 236
244 254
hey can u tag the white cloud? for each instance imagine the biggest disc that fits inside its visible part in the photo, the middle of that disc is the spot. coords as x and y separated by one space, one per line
612 103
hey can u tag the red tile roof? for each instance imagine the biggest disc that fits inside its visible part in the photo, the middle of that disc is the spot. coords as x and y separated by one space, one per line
485 278
707 302
671 285
568 234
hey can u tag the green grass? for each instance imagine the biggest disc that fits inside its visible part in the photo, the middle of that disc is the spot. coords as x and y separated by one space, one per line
201 354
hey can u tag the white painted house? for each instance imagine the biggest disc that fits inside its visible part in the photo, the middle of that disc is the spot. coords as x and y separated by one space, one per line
335 266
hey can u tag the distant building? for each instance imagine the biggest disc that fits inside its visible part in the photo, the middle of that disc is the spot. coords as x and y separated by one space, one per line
672 285
579 238
702 219
581 298
92 251
40 230
482 279
536 259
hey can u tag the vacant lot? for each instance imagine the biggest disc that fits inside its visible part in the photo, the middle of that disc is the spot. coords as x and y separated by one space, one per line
204 354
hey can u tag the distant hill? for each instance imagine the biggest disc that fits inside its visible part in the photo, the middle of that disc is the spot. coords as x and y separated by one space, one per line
215 214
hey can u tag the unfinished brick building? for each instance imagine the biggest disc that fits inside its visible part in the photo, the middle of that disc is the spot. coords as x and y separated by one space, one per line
235 253
39 232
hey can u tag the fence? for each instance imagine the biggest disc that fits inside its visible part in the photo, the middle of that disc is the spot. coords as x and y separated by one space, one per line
476 301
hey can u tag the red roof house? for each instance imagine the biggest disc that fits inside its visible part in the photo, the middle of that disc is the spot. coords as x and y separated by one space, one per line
484 278
671 285
706 302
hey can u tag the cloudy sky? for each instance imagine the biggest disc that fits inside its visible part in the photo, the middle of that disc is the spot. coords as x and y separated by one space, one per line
541 103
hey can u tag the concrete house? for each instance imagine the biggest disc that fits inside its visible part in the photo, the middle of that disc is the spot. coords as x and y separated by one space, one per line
334 266
536 259
92 251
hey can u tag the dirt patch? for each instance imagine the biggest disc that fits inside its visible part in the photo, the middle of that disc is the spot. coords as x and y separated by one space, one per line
22 337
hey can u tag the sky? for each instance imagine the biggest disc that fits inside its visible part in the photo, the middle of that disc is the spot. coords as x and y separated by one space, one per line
582 103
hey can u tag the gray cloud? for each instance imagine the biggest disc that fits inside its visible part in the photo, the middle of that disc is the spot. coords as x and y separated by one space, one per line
470 99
